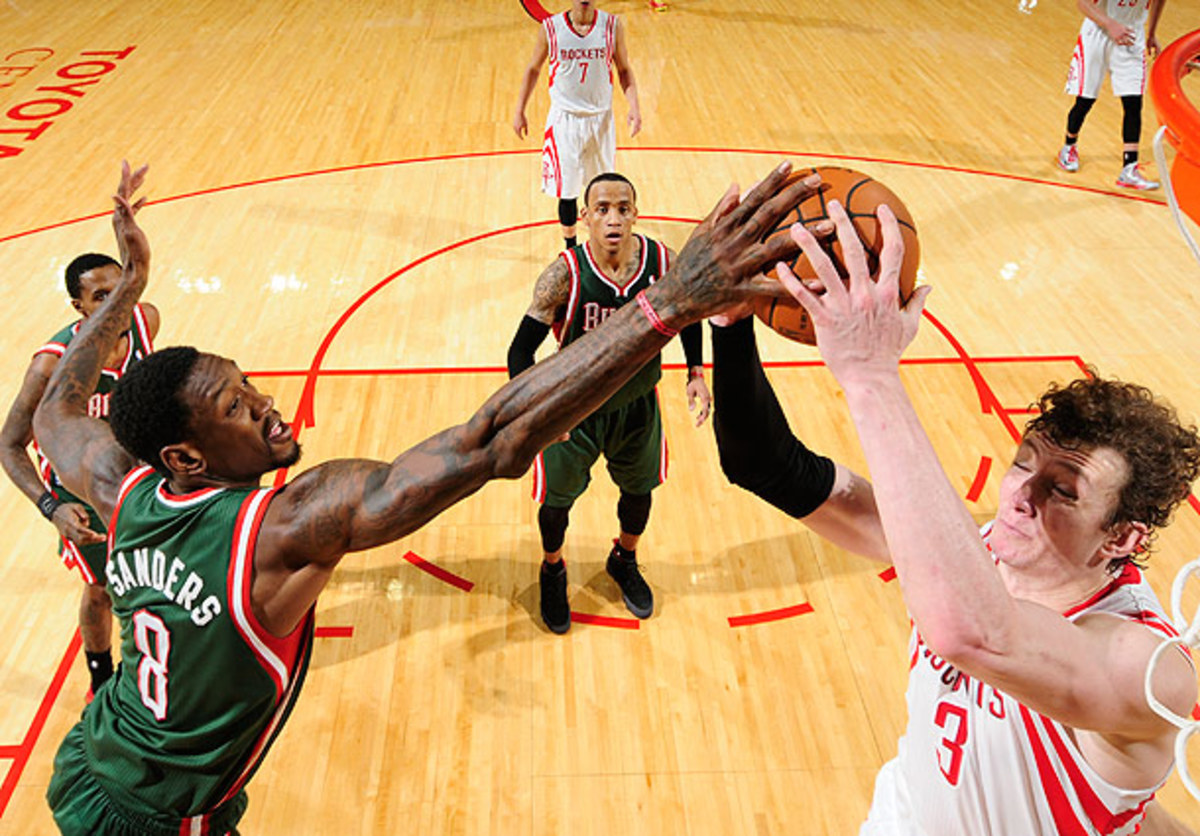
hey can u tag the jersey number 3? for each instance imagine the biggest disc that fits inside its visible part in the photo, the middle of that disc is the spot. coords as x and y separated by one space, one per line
152 669
953 720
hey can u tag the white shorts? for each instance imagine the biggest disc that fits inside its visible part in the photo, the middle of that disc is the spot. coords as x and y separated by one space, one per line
574 150
1096 54
891 807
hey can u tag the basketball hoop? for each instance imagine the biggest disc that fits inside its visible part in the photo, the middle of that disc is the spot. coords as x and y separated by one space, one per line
1181 126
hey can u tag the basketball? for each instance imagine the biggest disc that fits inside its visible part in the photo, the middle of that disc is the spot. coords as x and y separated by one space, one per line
859 194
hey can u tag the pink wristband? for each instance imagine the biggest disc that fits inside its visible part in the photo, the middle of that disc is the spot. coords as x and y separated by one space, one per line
652 315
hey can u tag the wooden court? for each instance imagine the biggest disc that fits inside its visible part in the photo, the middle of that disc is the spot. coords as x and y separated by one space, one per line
339 203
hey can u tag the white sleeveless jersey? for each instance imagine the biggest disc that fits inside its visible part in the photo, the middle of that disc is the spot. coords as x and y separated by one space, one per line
581 63
978 762
1131 13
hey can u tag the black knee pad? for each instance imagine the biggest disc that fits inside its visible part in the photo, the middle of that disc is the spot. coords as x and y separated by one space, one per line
633 512
1131 126
552 523
568 212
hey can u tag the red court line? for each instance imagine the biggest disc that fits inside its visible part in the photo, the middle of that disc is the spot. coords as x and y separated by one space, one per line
438 572
333 632
22 751
888 574
981 475
605 621
769 615
651 149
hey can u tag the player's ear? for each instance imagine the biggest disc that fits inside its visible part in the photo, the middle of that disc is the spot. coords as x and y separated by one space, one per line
1124 539
78 306
183 459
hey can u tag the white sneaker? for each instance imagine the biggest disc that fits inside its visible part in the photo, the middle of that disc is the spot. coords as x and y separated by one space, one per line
1068 158
1131 178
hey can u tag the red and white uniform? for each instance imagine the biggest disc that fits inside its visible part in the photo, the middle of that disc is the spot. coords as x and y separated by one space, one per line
1096 54
975 761
580 140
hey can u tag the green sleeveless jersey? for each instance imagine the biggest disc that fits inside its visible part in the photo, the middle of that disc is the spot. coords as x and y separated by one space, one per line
594 296
203 689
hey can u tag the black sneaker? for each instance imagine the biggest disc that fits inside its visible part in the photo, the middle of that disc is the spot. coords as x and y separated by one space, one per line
635 592
556 612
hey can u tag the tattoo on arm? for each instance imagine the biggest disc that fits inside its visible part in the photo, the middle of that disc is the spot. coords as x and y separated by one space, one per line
551 293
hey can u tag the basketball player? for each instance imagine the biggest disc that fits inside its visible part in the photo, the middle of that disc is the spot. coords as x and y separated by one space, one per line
90 279
583 44
1113 41
1029 643
214 580
581 288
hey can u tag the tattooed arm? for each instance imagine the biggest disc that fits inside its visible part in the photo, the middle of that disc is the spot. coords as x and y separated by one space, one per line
349 505
550 296
86 457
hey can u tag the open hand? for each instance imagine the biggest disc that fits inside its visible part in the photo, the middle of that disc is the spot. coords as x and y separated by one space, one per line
861 328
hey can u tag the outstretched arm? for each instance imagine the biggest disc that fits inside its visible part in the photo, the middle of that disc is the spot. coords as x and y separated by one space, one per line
70 518
541 50
350 505
759 452
86 457
627 81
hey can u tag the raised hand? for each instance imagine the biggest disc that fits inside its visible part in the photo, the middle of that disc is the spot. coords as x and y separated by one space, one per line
131 240
861 328
722 262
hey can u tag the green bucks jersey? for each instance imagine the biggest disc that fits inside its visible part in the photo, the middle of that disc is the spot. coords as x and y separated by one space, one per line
594 296
203 689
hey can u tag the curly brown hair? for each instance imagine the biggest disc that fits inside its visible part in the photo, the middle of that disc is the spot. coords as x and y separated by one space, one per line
1162 453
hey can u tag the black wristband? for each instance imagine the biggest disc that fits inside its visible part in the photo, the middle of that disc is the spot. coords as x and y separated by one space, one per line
48 503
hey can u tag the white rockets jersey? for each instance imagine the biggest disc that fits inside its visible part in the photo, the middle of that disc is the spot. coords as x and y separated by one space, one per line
978 762
1131 13
581 63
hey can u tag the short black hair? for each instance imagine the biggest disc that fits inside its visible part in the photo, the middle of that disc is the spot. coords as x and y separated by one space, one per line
147 411
608 177
82 264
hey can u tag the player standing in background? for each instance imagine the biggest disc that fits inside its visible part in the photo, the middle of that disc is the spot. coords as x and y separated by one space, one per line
90 278
1113 41
583 45
583 287
215 579
1026 712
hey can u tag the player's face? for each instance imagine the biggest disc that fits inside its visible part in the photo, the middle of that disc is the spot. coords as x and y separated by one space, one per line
94 287
1056 504
609 215
238 429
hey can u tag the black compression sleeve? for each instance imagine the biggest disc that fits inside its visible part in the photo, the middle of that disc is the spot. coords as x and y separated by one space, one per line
525 344
692 337
757 448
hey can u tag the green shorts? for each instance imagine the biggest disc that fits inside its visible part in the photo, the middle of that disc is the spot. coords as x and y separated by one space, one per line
82 807
631 439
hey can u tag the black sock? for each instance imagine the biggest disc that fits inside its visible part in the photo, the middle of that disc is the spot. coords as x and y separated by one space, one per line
623 553
554 568
1129 157
571 242
100 666
1070 140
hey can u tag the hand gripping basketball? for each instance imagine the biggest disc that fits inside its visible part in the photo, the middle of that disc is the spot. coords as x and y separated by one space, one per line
859 325
721 263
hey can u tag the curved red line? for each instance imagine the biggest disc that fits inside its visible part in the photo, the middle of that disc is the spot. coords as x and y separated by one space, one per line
667 148
981 475
769 615
605 621
438 572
